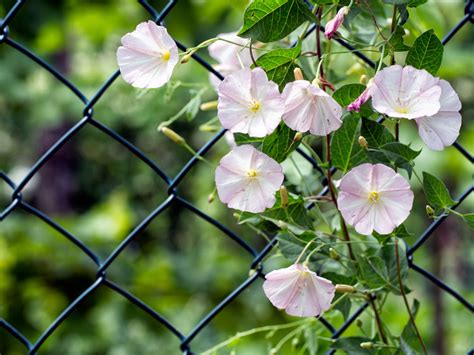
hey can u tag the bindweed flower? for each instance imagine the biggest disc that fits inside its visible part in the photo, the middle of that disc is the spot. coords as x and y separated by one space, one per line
405 92
333 25
308 108
374 197
442 129
147 56
299 291
248 179
363 98
231 57
249 103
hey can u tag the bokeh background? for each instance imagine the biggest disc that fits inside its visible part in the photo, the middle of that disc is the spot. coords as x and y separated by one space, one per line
181 266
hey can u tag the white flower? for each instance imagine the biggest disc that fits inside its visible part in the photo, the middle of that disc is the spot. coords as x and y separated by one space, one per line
299 291
374 197
247 179
405 92
147 56
442 129
249 103
308 108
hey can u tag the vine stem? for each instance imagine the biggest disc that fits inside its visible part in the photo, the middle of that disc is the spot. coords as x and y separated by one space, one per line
334 199
405 300
392 30
378 321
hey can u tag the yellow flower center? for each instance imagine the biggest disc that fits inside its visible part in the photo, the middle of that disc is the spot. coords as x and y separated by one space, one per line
166 56
255 107
402 110
374 197
252 173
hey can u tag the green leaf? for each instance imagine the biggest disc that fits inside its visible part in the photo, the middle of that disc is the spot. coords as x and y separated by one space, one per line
345 149
415 3
280 143
375 133
294 215
351 345
279 64
409 342
242 138
347 94
436 193
271 20
396 155
426 53
399 232
396 2
395 42
291 246
469 219
344 306
372 272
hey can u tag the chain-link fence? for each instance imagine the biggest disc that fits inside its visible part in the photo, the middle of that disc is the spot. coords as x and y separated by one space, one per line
6 39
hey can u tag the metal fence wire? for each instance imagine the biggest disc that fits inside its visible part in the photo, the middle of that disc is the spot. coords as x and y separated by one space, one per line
32 347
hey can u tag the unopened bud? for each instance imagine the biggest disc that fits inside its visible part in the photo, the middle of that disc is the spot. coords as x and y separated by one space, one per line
208 128
367 345
294 343
363 79
208 106
175 137
298 74
297 137
283 196
363 142
282 225
345 288
211 197
333 254
429 211
236 215
188 56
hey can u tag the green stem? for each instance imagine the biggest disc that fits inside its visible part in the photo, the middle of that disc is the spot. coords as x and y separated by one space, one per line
405 300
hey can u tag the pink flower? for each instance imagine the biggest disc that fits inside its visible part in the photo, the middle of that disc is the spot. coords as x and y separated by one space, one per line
362 99
247 179
308 108
299 291
229 56
442 129
374 197
333 25
249 103
147 56
405 92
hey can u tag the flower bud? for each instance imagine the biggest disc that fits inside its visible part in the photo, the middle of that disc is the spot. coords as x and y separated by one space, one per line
211 197
363 79
297 137
298 74
363 142
341 288
208 128
282 225
175 137
429 211
283 196
333 25
208 106
333 254
367 345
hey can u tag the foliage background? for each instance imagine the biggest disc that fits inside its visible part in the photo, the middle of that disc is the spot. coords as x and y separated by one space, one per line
180 265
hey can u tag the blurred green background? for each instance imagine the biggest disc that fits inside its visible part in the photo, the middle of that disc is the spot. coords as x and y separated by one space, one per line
180 265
